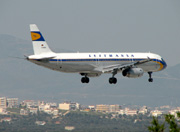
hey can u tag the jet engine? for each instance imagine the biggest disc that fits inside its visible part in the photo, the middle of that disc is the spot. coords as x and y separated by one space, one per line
133 72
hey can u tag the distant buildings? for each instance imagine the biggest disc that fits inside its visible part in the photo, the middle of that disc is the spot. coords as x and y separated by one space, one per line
33 107
8 102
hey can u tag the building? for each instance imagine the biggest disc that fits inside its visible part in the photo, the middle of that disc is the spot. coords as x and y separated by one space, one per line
114 108
69 128
55 112
69 106
156 113
41 107
65 106
143 110
33 110
102 108
130 112
91 107
12 102
24 112
3 111
29 103
3 102
121 112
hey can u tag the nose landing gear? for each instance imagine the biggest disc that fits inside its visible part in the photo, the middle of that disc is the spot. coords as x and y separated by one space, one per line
150 77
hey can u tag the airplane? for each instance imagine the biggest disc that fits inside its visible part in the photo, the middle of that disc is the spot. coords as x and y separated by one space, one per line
131 65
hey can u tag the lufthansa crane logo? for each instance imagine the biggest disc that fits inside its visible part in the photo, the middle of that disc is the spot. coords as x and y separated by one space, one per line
36 36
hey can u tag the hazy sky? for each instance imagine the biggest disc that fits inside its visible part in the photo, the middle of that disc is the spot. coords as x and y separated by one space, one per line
98 25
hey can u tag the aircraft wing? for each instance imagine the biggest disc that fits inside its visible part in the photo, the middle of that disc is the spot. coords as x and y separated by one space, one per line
119 67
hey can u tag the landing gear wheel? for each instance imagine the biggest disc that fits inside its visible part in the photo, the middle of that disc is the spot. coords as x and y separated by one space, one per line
150 80
112 80
85 80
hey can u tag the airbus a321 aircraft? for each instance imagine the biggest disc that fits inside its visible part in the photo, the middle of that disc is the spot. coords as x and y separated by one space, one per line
131 65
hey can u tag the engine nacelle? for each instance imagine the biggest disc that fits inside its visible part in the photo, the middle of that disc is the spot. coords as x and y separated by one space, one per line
133 72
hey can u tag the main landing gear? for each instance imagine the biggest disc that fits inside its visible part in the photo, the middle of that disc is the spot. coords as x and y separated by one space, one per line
150 77
85 79
113 80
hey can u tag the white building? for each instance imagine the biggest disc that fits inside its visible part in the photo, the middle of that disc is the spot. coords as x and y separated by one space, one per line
114 108
130 112
143 110
3 102
12 102
65 106
156 113
3 111
69 106
29 103
121 112
91 107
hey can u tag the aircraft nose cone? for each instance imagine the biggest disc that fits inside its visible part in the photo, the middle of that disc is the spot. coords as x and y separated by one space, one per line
164 64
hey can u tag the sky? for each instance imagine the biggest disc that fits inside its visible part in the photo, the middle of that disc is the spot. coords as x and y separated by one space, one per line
98 25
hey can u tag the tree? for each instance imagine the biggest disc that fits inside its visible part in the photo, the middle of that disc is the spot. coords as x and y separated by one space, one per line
170 119
156 126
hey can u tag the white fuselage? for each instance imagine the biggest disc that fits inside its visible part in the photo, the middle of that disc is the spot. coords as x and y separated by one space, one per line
97 62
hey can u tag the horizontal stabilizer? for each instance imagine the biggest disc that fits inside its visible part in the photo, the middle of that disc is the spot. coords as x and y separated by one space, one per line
41 56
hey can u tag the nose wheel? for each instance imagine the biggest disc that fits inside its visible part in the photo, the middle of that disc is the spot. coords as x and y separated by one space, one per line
150 77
